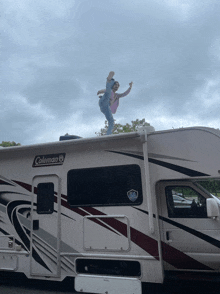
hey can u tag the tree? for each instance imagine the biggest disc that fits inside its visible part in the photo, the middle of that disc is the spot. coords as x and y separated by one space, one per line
9 144
212 185
127 128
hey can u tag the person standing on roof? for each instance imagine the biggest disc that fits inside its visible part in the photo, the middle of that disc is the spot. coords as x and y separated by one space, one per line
109 102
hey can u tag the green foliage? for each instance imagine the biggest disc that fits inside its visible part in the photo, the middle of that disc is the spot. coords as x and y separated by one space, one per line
9 144
185 191
212 185
127 128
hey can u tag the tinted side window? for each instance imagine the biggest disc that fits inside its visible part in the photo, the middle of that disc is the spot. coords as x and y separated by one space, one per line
107 186
45 198
184 202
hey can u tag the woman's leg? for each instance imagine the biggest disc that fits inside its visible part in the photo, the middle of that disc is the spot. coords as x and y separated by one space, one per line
110 83
110 119
104 103
106 110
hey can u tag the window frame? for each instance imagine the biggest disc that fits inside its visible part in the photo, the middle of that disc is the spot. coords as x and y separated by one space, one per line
103 204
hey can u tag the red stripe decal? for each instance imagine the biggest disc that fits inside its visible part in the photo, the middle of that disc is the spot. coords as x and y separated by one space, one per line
83 213
181 260
145 242
26 186
170 254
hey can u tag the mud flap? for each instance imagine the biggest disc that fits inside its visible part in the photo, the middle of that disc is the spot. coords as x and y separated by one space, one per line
107 285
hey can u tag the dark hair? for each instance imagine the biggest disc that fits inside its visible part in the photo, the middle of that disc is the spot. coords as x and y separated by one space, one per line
116 82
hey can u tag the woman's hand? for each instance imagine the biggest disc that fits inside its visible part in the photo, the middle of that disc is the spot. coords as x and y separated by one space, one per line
101 92
130 84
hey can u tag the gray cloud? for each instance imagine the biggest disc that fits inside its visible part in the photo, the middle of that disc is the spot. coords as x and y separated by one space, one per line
56 55
55 89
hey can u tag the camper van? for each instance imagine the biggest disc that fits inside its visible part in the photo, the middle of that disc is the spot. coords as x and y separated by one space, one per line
115 211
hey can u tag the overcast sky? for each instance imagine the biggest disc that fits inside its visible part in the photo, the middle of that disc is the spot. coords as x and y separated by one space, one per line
56 55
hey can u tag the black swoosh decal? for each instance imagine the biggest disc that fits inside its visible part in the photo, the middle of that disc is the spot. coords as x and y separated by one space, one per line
5 183
5 201
12 214
198 234
177 168
16 241
4 232
128 154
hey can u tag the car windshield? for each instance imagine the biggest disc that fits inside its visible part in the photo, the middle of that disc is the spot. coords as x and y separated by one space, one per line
212 186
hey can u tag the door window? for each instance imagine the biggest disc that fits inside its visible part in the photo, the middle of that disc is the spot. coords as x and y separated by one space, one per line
185 202
45 198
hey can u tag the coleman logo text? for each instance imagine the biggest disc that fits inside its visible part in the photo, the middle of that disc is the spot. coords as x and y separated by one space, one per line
49 159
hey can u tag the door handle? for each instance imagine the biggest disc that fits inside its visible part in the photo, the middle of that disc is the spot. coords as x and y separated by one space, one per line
35 224
168 237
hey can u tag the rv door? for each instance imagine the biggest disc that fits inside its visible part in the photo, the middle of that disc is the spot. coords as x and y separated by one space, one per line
45 231
190 239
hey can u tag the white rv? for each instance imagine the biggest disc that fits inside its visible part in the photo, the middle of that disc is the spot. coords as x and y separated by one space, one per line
113 211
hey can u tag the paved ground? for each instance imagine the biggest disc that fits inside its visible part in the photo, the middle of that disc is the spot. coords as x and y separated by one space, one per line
20 285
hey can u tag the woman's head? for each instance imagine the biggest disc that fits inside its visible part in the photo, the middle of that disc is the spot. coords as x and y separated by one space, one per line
115 86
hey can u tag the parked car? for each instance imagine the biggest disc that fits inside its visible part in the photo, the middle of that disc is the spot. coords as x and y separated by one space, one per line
180 201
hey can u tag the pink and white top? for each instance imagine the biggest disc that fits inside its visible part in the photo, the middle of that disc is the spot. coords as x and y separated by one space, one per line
114 99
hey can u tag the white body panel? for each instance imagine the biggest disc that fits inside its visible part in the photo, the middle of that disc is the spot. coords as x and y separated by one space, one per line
143 236
110 285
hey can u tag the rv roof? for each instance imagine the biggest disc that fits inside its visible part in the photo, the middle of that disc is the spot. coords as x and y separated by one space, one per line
215 132
72 142
205 129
